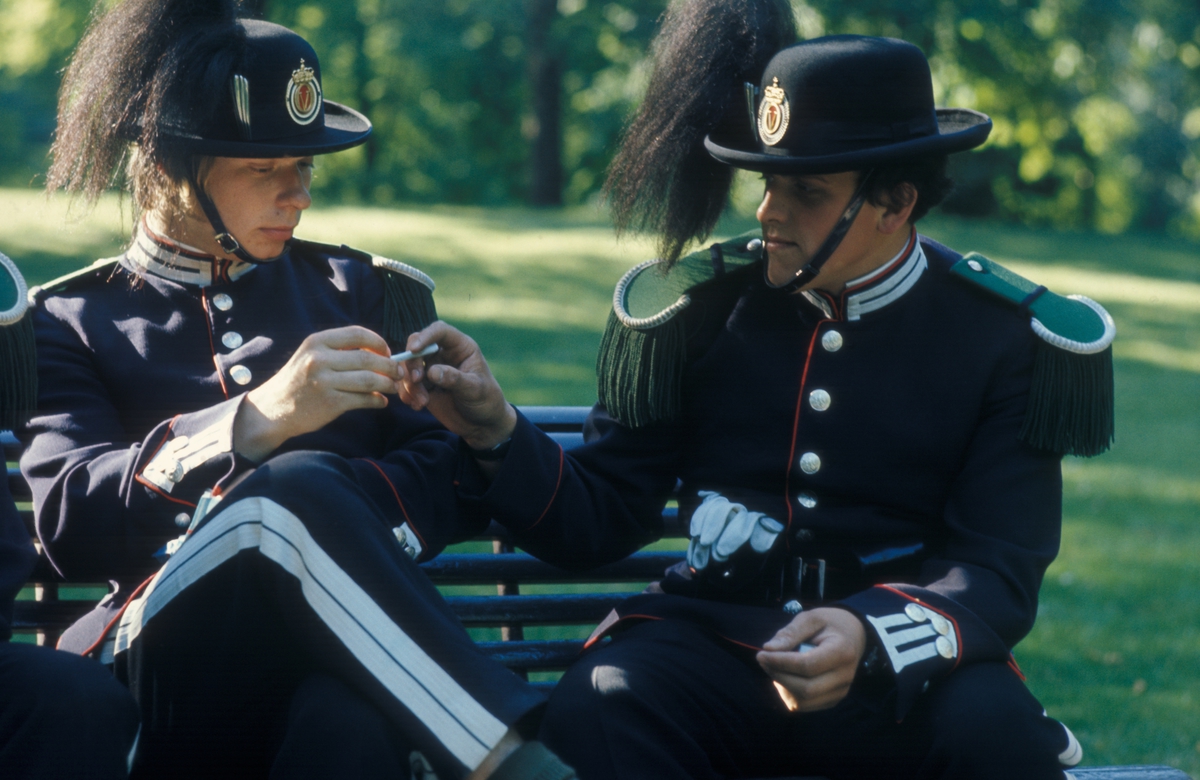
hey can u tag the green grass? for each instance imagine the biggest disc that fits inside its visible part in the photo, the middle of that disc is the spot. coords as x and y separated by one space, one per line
1116 651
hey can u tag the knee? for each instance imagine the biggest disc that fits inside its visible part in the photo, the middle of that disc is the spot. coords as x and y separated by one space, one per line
60 690
981 711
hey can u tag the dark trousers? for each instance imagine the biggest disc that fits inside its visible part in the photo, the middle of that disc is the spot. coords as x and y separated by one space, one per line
62 716
293 625
666 700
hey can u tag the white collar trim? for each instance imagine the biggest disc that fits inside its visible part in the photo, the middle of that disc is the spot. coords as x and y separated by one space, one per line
892 281
170 259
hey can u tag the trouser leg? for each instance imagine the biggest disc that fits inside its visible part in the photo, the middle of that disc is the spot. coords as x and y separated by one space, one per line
668 700
662 701
334 732
62 716
299 573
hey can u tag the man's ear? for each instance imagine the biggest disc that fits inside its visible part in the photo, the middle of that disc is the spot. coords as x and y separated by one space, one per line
898 207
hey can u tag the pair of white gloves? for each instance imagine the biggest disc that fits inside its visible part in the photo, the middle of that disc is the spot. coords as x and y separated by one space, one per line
719 528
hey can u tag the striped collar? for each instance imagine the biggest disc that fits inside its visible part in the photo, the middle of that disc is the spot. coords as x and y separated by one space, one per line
160 256
877 289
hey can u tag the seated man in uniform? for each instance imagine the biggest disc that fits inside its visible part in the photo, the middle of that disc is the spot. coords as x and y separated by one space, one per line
60 715
867 428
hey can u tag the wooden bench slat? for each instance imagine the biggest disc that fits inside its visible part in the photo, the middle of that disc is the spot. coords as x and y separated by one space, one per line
581 608
459 568
556 654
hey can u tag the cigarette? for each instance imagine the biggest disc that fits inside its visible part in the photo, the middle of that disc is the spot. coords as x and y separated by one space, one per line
400 357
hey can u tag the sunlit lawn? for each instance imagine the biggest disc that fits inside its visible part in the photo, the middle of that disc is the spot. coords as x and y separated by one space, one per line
1116 651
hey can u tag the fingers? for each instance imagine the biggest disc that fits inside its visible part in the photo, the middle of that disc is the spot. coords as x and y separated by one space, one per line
799 629
450 339
350 337
348 360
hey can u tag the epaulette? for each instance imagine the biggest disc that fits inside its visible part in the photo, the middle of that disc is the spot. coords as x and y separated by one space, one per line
407 291
642 353
1070 407
66 282
18 354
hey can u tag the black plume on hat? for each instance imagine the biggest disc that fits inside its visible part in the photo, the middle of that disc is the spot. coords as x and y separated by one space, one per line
848 102
662 180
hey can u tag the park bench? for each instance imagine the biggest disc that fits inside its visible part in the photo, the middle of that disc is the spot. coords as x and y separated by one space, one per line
523 592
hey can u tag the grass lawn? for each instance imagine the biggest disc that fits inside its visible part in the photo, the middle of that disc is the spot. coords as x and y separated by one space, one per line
1116 651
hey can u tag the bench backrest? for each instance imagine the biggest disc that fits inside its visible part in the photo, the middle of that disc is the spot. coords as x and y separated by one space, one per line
538 614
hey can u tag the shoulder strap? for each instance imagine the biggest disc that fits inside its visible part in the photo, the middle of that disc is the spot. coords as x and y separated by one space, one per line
1071 403
640 364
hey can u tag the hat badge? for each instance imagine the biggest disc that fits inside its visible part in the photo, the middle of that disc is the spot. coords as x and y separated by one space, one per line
303 95
773 114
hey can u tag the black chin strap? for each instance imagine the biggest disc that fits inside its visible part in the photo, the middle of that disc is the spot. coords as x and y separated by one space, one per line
222 236
831 243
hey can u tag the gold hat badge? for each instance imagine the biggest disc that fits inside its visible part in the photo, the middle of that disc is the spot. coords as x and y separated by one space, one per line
303 95
773 114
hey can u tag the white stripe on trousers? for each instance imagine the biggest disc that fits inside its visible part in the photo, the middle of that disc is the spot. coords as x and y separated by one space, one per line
461 724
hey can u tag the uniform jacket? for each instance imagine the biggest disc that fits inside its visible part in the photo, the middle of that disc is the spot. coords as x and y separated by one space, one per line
142 363
17 557
884 418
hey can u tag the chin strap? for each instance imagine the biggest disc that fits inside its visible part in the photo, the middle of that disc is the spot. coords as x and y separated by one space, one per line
831 243
222 235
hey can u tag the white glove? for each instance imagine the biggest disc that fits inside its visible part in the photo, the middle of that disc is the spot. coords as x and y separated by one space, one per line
720 527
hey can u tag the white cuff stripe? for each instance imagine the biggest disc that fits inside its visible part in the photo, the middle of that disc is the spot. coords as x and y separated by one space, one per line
919 629
462 724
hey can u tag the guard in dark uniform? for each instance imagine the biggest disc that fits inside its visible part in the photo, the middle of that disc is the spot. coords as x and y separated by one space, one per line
215 398
60 715
867 430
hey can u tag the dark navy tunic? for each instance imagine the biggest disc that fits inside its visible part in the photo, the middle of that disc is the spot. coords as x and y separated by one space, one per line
131 363
881 419
294 616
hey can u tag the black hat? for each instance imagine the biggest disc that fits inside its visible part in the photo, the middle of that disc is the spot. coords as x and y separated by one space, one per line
273 107
848 102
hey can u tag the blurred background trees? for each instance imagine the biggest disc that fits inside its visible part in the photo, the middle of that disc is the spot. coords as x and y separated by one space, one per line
1096 102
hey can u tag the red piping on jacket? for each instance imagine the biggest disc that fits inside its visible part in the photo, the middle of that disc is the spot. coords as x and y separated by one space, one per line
396 493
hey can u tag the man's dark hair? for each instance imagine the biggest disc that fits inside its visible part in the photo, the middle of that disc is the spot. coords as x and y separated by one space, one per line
926 174
662 180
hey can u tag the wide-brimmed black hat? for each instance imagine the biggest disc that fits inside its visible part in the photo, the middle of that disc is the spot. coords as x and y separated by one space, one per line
274 105
847 102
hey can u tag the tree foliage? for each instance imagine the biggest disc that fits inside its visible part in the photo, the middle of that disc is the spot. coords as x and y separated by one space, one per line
1096 102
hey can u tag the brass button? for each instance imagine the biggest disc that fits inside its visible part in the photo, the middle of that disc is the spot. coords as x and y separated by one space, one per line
832 341
232 340
810 463
975 266
804 535
222 301
819 400
793 607
940 624
174 470
241 375
400 535
183 520
807 500
915 613
944 648
754 245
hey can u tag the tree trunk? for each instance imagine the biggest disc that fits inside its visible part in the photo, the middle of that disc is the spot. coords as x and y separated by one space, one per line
545 82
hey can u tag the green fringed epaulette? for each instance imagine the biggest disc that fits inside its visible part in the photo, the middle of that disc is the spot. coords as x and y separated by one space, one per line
407 292
18 356
1070 407
642 353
